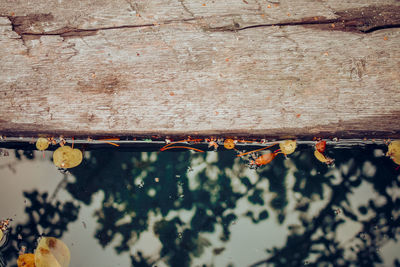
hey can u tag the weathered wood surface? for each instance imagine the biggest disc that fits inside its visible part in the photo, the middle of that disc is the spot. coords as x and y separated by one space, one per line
246 67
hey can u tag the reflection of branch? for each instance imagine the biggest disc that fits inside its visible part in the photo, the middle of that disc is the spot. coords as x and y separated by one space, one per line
337 190
10 166
60 185
2 263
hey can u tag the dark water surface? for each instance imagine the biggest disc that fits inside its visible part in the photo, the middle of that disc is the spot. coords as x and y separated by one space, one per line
121 208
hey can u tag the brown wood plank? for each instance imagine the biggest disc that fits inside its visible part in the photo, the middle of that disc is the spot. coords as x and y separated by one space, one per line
297 68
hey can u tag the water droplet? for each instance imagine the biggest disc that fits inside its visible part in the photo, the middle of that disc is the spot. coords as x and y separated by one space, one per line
182 196
177 176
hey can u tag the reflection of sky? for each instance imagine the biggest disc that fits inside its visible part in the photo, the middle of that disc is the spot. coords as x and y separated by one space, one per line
247 243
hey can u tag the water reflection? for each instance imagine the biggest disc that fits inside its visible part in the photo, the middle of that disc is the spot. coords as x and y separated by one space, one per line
182 197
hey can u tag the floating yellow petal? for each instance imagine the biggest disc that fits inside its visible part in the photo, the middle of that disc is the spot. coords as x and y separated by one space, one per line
1 235
288 146
26 260
42 143
394 149
321 157
67 157
229 144
52 252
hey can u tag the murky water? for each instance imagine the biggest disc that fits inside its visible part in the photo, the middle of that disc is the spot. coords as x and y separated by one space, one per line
121 208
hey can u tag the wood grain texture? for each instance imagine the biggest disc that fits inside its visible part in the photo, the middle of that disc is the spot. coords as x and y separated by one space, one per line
290 68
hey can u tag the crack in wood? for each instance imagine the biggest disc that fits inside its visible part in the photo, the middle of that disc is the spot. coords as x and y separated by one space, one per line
22 26
361 20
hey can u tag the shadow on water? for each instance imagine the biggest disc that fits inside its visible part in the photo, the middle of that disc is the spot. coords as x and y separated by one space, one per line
191 194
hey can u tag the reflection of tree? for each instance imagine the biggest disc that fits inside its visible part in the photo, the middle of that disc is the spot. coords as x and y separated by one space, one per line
138 188
132 193
46 217
315 241
51 217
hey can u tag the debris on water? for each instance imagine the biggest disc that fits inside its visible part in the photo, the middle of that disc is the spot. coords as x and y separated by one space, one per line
212 142
320 146
337 211
363 235
63 171
141 184
218 251
4 225
22 250
4 153
62 141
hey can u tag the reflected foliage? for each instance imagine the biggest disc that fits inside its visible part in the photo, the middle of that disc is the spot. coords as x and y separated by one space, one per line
180 197
45 218
315 241
137 185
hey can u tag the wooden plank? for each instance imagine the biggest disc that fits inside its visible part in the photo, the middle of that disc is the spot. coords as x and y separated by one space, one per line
295 68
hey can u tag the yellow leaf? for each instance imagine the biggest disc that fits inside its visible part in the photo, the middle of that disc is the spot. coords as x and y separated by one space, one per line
288 146
42 143
67 157
229 144
52 252
321 157
394 149
26 260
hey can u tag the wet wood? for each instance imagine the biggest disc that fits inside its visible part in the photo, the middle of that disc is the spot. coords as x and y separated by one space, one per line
260 68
